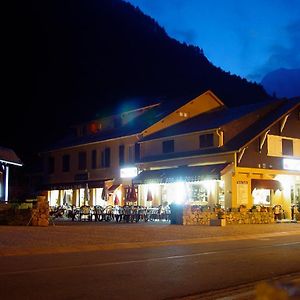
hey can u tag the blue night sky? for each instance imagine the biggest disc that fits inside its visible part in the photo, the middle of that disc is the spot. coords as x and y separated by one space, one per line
247 38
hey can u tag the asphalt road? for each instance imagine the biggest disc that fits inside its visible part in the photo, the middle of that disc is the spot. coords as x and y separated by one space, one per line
182 267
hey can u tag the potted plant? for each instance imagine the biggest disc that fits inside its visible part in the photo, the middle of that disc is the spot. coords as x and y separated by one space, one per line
221 214
242 208
221 218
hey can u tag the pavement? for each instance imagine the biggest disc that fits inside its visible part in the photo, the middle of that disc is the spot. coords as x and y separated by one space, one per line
65 236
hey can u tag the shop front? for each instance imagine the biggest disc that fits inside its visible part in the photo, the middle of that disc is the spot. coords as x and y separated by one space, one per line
201 186
266 188
77 194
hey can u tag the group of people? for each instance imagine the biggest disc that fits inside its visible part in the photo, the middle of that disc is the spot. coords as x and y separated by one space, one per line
136 213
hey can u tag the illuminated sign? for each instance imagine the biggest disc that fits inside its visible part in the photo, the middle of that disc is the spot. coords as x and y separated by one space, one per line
291 164
128 172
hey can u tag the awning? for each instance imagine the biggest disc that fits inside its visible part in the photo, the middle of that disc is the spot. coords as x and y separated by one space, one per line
112 188
268 184
74 185
187 174
8 156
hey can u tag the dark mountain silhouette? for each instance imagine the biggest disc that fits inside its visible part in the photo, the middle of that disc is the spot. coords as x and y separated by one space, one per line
282 83
75 60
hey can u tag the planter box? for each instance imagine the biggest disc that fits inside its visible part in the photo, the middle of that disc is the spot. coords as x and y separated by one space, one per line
217 222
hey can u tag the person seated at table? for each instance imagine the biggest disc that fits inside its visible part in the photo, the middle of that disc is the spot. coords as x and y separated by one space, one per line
116 212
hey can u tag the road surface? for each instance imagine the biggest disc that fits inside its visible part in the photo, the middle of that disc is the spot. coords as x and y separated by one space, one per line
188 268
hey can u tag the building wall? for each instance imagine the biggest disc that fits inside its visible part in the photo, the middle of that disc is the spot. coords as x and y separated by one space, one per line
94 174
228 187
182 143
256 163
254 157
187 161
1 186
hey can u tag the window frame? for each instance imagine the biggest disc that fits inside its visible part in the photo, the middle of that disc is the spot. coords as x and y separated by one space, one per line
66 163
94 159
82 160
208 141
168 146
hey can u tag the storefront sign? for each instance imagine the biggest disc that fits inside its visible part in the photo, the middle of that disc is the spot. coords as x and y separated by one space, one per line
291 164
128 172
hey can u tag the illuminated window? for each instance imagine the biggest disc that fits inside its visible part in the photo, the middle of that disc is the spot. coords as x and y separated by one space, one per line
168 146
94 127
206 140
183 114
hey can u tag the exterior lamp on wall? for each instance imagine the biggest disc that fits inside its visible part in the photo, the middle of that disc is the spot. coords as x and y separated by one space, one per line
128 172
291 164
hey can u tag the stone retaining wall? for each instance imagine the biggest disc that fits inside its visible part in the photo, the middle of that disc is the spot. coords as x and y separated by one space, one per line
203 218
40 212
36 214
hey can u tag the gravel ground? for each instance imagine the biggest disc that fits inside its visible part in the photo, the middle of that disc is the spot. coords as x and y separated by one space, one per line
18 240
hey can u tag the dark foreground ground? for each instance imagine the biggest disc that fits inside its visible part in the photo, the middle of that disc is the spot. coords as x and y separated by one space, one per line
197 262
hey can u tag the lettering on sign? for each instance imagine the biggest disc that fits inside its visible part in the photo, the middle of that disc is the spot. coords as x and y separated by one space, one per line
242 193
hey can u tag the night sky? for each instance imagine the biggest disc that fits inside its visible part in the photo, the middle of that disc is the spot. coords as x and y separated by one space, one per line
42 85
247 38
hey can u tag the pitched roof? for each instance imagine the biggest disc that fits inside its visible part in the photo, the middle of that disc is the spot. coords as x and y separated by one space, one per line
209 120
282 108
9 156
135 126
250 133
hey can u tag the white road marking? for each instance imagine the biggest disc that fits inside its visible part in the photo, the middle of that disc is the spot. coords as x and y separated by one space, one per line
138 261
108 263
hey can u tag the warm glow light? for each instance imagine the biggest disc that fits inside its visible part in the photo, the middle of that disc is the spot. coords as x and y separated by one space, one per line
179 192
208 184
285 180
53 197
291 164
128 172
119 194
221 184
261 196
